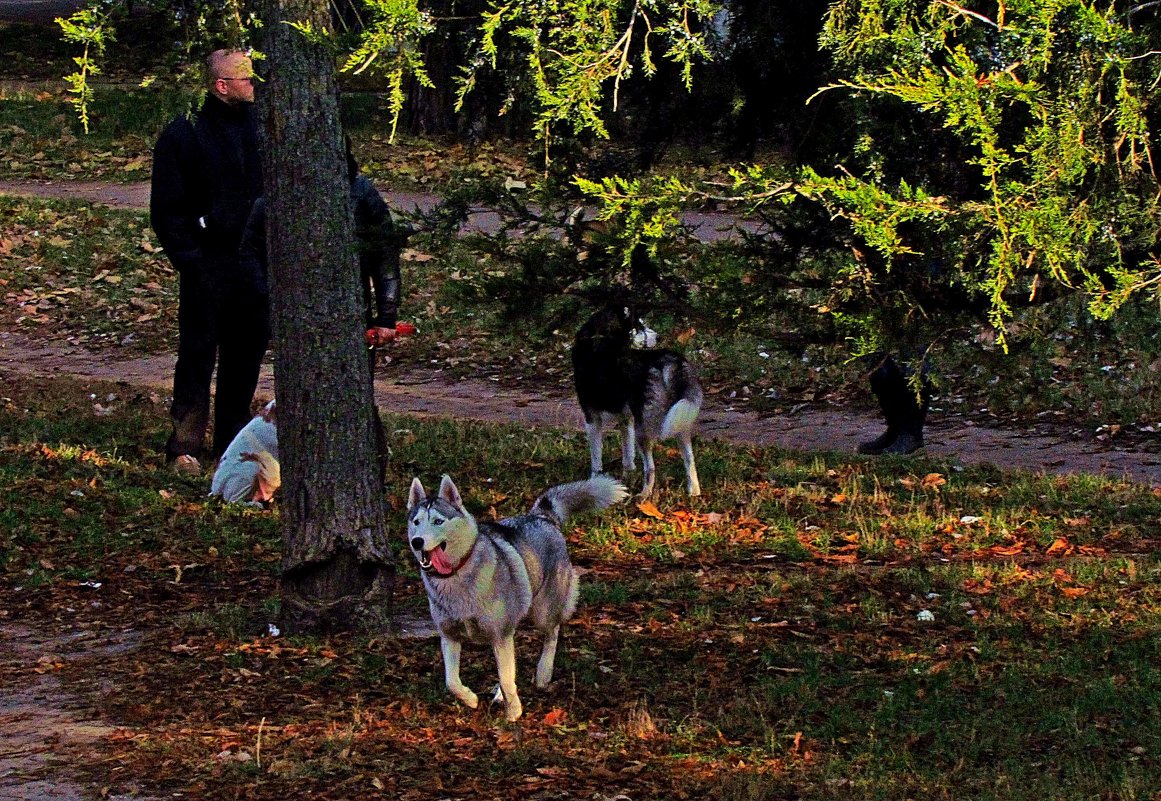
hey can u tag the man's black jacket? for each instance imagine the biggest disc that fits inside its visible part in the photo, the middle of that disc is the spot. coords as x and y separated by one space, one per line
206 175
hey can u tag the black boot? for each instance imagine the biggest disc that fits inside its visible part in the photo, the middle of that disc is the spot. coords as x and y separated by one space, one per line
904 413
873 447
907 442
910 437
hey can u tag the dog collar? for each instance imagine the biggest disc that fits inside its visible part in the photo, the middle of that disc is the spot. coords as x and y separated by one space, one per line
463 562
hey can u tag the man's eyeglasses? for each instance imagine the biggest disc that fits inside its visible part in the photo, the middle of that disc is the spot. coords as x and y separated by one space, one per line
247 78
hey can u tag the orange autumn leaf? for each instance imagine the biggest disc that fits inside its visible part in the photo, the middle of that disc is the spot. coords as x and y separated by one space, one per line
933 480
1007 550
976 587
650 510
555 717
1020 574
1060 546
1074 592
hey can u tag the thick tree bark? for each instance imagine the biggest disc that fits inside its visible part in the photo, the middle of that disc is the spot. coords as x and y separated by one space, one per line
337 568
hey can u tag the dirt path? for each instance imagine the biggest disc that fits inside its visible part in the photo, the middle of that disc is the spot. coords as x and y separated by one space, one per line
430 392
707 226
43 728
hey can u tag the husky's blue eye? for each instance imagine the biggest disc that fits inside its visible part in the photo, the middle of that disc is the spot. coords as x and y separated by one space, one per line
438 521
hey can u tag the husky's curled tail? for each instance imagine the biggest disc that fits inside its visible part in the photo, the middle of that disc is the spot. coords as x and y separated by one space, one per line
562 502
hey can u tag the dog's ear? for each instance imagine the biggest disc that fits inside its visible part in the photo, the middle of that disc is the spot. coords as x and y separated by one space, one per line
449 493
417 495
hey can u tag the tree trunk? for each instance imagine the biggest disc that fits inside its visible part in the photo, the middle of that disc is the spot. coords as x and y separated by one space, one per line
337 568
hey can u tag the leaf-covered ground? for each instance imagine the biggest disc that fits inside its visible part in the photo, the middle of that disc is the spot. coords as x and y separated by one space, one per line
814 626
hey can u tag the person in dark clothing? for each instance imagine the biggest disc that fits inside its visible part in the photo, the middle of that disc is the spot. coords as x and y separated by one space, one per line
380 238
904 410
206 175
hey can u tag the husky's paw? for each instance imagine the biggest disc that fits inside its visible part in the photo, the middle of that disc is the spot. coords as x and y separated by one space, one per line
469 698
512 711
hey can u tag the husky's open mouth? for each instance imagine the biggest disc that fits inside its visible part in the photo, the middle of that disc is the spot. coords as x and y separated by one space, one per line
436 561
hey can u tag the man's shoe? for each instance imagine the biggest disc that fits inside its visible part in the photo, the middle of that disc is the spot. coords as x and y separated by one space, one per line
904 444
187 465
873 447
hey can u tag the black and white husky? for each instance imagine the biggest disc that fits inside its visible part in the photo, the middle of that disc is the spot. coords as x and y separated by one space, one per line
483 579
654 394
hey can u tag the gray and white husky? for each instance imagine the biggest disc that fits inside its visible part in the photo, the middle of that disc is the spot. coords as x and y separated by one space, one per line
654 394
483 578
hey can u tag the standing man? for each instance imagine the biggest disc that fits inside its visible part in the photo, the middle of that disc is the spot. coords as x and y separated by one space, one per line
206 175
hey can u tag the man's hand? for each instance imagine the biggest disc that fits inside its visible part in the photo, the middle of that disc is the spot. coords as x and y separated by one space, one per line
376 336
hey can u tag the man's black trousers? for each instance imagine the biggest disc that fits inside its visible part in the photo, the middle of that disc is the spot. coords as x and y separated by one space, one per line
226 325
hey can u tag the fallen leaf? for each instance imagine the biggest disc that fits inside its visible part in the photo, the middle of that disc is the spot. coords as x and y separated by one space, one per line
976 587
648 509
933 480
555 717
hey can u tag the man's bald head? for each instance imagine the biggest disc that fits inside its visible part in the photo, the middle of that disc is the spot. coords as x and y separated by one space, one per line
231 75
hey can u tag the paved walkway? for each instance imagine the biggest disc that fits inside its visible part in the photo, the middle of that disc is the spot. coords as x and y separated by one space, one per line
44 729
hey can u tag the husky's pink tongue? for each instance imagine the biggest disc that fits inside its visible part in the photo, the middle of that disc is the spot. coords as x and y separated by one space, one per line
439 561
